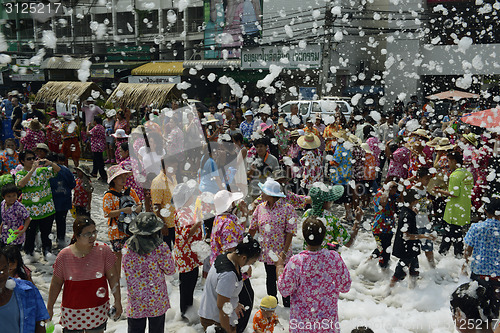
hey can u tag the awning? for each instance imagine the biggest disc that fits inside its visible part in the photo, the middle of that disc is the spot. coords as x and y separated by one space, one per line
160 68
212 63
62 63
117 64
68 92
134 95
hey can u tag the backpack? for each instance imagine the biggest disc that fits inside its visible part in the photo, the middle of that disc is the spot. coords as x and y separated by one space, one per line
123 220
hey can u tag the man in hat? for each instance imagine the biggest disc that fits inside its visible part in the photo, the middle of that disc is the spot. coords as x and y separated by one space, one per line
282 135
262 167
276 222
294 120
217 115
458 208
90 110
246 126
41 151
265 117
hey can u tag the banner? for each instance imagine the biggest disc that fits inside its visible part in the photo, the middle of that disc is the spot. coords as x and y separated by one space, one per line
283 56
229 25
154 79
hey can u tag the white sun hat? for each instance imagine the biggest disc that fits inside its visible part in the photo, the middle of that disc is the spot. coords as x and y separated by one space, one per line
272 188
223 200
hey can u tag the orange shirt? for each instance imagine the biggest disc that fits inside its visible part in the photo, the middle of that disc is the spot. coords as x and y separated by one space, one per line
263 324
111 202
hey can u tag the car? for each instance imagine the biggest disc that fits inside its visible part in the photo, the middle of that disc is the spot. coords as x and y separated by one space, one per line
326 106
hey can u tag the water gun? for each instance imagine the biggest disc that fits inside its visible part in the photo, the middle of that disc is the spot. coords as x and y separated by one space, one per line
12 235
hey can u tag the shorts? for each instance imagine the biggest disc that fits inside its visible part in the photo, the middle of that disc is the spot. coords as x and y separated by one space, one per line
346 196
92 330
68 151
118 244
425 244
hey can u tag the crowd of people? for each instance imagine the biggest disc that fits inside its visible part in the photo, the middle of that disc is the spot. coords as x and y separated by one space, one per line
211 193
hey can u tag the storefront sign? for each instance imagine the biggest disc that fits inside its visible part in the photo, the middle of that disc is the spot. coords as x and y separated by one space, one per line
154 79
286 57
28 77
102 73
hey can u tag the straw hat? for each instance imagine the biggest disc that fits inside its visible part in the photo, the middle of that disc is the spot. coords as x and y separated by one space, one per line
116 171
42 146
366 148
280 174
35 125
210 119
281 121
434 142
444 144
309 141
420 132
120 134
85 170
294 134
223 200
272 188
354 139
471 137
340 134
145 224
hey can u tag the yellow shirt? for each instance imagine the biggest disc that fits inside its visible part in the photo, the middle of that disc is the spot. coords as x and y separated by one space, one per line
161 194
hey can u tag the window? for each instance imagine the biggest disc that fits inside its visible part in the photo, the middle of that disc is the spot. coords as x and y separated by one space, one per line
148 22
63 26
172 25
196 19
304 108
82 27
125 23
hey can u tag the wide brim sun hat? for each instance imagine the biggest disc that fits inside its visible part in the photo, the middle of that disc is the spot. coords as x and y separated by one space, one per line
444 144
115 171
294 134
145 224
309 141
224 199
471 137
420 132
120 134
354 139
272 188
84 169
264 126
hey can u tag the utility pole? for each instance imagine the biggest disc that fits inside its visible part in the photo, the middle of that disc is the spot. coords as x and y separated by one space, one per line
325 61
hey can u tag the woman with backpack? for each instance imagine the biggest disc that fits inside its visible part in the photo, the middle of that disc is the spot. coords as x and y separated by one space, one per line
120 205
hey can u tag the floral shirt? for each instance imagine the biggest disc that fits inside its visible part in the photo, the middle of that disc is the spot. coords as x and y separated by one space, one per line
273 224
341 174
374 145
12 218
312 168
32 138
128 164
247 129
111 202
296 200
293 153
443 166
398 166
146 286
329 138
53 134
185 259
370 167
358 163
37 194
484 238
263 324
227 232
282 137
98 139
81 197
313 280
416 162
385 218
8 162
68 132
121 124
335 231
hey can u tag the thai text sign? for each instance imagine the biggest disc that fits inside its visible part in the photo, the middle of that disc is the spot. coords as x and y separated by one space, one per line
286 57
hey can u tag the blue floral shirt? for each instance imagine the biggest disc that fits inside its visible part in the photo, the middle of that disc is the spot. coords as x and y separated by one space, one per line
484 237
341 174
247 129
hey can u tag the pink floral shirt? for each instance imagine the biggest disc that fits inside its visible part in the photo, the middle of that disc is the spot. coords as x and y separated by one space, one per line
370 169
273 224
314 281
32 138
97 139
227 232
146 286
399 164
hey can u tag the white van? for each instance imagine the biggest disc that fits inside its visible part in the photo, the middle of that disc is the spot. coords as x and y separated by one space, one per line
326 106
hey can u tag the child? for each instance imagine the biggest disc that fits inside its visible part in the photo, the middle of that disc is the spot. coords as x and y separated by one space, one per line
82 197
265 319
17 269
406 240
14 216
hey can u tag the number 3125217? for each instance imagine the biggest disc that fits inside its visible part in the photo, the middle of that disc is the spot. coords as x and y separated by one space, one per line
31 8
